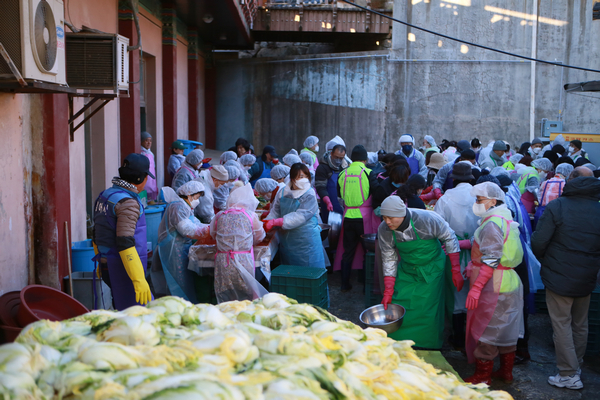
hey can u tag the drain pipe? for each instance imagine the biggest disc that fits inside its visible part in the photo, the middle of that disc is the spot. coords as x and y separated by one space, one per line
137 27
532 79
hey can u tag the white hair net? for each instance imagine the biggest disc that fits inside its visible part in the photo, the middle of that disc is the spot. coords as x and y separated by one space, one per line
291 159
430 140
228 155
489 190
590 166
195 157
564 169
189 188
265 185
247 159
293 151
372 157
496 171
233 171
280 171
515 158
542 163
311 141
306 158
242 197
334 142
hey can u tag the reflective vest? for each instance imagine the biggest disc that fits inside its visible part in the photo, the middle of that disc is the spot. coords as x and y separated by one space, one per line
528 172
512 250
509 166
354 188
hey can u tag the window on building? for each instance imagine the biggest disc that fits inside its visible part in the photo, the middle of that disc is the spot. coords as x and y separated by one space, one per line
596 9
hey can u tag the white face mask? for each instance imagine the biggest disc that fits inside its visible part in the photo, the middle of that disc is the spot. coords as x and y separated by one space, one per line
317 148
479 209
542 175
195 203
536 150
571 149
247 167
302 184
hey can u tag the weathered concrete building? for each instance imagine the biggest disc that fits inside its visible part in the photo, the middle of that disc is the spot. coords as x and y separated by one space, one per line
425 84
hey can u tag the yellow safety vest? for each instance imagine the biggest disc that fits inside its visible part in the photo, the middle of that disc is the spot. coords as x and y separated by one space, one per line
528 172
354 188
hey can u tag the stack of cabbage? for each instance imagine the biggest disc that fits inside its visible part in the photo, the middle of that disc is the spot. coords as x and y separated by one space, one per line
272 348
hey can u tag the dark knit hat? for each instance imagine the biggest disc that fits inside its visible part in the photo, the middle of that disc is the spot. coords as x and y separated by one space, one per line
359 153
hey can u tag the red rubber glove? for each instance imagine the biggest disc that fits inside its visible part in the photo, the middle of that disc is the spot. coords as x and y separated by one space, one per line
273 222
389 282
465 244
427 197
437 193
328 203
485 273
457 277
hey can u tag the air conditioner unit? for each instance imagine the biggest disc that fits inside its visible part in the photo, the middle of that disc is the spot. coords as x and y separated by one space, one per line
32 32
97 61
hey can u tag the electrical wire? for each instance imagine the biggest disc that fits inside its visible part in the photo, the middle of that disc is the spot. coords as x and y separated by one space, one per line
470 43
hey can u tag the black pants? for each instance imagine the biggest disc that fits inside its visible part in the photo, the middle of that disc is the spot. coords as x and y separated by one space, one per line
353 229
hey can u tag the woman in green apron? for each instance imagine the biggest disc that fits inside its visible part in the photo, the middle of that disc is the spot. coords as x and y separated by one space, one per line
417 282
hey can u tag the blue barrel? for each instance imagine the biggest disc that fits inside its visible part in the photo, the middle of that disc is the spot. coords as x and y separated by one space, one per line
81 256
153 217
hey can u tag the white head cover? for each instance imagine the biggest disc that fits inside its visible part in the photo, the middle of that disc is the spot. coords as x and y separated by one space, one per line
489 190
306 158
564 169
311 141
542 163
265 185
430 140
334 142
372 157
228 155
247 159
406 139
243 197
498 171
189 188
290 159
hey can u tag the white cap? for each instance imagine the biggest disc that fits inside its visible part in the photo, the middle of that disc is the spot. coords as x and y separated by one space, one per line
406 139
219 172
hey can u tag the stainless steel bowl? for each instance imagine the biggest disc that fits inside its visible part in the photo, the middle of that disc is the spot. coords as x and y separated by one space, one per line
368 241
389 320
335 220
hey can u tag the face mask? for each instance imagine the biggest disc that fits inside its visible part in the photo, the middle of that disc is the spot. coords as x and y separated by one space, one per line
247 167
407 149
542 175
195 203
536 150
571 149
337 162
479 209
317 148
396 185
302 184
267 197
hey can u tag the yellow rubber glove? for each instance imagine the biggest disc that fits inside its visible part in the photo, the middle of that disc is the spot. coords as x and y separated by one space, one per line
98 270
135 270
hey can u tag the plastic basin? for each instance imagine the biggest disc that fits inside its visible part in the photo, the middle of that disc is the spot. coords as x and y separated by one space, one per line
368 241
81 256
43 302
324 231
9 307
189 145
8 334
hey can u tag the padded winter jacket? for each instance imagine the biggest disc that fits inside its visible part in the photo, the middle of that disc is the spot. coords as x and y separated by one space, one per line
567 239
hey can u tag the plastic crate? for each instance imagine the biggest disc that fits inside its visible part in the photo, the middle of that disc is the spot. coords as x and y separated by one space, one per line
304 284
189 145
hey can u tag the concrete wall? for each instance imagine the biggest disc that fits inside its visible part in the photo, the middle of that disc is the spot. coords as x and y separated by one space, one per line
451 91
15 191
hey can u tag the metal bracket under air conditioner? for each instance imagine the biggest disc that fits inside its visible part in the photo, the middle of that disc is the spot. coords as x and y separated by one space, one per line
105 97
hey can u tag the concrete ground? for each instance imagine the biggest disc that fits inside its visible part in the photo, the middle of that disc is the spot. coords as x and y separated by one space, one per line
530 378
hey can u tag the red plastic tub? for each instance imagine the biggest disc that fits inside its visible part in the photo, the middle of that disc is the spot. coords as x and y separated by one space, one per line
43 302
8 334
9 307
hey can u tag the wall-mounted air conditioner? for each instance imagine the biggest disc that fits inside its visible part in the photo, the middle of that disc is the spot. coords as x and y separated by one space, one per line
32 32
97 61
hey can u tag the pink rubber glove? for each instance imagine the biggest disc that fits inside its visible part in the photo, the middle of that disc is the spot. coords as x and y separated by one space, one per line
428 197
457 277
273 222
485 273
437 193
465 244
328 203
389 282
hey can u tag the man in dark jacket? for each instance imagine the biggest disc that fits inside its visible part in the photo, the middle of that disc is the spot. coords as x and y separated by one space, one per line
263 165
326 177
567 242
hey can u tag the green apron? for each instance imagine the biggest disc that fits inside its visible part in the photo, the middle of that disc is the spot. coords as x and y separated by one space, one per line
420 288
